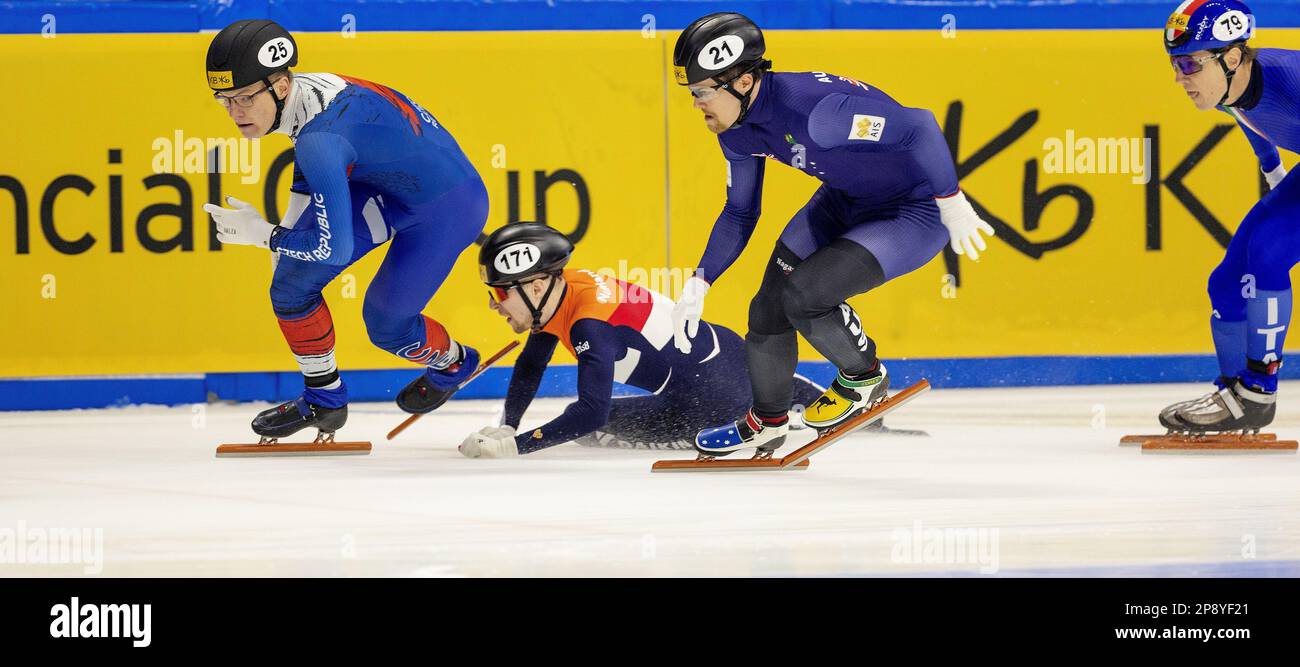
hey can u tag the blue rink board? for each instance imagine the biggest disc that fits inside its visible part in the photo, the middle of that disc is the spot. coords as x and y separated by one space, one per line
561 380
119 16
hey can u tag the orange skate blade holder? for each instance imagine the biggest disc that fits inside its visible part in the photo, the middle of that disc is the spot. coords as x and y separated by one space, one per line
798 459
1137 440
294 449
323 445
1220 444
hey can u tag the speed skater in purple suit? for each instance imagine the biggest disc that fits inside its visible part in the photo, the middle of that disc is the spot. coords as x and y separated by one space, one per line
888 203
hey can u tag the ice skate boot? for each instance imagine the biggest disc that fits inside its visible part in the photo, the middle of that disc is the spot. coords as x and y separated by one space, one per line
429 391
749 432
288 418
1233 408
1166 416
847 397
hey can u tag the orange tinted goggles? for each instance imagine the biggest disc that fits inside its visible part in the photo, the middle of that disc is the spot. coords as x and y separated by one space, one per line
498 294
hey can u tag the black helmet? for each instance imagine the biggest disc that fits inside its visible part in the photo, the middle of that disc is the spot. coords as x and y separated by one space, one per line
249 51
717 43
520 252
246 52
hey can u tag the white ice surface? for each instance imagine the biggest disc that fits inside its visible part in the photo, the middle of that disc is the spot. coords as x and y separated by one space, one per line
1034 474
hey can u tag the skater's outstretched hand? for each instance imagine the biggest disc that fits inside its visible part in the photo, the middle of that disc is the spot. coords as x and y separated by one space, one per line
241 225
964 225
490 442
687 312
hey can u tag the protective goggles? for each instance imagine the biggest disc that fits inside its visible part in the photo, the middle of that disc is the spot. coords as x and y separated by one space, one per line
1189 65
498 294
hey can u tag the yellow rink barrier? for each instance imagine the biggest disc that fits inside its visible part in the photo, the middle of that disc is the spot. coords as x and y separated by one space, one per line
109 266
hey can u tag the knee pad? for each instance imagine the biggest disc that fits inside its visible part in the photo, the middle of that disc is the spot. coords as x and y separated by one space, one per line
767 315
802 300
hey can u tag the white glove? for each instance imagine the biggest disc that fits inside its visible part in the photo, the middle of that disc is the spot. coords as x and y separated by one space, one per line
687 312
964 224
1274 177
242 225
490 442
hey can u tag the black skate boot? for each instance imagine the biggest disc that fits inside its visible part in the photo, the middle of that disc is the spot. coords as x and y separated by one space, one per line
288 418
429 391
1233 408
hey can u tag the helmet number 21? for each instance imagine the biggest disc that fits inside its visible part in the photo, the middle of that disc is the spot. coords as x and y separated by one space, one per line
717 52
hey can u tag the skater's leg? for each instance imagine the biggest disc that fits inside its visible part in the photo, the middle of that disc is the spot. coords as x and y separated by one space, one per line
771 346
424 249
1274 248
1228 286
715 396
814 301
863 258
304 317
1271 246
308 328
642 422
886 245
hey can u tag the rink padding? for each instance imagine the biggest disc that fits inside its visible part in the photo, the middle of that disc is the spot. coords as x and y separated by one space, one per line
560 381
394 15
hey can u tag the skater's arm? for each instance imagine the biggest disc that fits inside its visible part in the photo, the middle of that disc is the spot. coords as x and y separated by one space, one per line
877 125
324 160
739 215
527 376
596 343
1263 148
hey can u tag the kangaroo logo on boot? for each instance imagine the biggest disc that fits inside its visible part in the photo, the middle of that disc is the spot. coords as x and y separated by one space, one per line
826 401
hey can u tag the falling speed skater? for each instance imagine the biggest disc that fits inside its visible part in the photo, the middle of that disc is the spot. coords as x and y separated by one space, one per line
618 332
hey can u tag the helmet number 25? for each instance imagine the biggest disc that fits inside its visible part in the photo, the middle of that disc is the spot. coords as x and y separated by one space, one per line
275 52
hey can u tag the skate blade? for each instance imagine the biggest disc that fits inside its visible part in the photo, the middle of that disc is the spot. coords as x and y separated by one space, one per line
877 412
294 449
1135 440
723 464
1220 445
798 459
